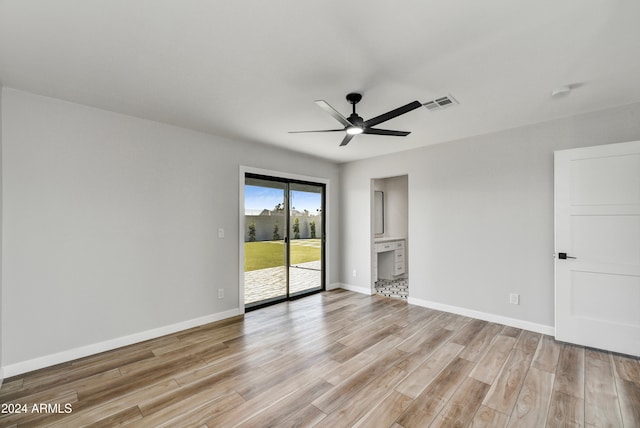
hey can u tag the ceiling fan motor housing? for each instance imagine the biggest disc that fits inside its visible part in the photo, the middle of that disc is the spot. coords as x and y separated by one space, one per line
356 120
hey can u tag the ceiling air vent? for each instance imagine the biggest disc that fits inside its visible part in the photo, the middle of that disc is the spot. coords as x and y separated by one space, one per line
440 103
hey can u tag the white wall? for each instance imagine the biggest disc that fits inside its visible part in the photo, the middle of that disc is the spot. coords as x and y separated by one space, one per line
110 226
480 215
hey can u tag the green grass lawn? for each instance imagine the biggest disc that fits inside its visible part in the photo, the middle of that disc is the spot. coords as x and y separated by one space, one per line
266 254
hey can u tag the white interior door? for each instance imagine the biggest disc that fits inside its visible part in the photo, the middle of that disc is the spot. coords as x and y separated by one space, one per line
597 221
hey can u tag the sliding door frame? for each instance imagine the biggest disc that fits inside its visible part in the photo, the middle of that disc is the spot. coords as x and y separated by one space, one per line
281 176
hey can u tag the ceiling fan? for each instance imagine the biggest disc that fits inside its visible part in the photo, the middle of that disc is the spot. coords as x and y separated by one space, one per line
354 124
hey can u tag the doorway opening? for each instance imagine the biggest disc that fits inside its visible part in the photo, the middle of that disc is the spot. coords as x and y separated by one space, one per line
390 223
284 239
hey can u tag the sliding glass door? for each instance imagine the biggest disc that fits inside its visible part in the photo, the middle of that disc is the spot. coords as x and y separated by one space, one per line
283 239
305 232
265 252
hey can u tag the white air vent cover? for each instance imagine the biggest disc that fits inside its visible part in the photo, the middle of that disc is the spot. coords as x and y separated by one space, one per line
440 103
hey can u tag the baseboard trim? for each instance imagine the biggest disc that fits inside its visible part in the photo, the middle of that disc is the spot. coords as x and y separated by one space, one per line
333 286
349 287
108 345
512 322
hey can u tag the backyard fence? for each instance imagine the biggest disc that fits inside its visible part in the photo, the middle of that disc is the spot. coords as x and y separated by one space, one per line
266 224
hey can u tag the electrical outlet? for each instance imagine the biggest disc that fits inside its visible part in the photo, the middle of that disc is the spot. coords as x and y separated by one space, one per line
514 299
220 233
355 273
220 293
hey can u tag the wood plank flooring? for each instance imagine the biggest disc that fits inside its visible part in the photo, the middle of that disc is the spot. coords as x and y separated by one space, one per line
336 359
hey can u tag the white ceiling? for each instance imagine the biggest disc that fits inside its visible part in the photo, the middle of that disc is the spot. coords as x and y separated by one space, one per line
251 69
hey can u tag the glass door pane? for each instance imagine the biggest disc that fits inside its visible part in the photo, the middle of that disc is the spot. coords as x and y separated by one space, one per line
265 251
305 233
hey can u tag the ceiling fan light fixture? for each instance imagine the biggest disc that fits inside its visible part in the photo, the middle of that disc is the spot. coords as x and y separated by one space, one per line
354 130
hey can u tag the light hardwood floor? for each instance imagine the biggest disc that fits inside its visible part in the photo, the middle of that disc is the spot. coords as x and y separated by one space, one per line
338 359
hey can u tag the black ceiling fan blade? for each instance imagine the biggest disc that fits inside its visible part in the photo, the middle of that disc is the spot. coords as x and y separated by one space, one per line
346 139
393 113
333 112
377 131
321 130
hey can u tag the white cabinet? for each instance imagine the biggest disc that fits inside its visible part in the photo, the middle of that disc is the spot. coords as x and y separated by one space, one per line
389 259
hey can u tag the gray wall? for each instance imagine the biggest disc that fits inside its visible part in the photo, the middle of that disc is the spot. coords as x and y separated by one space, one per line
110 223
480 214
